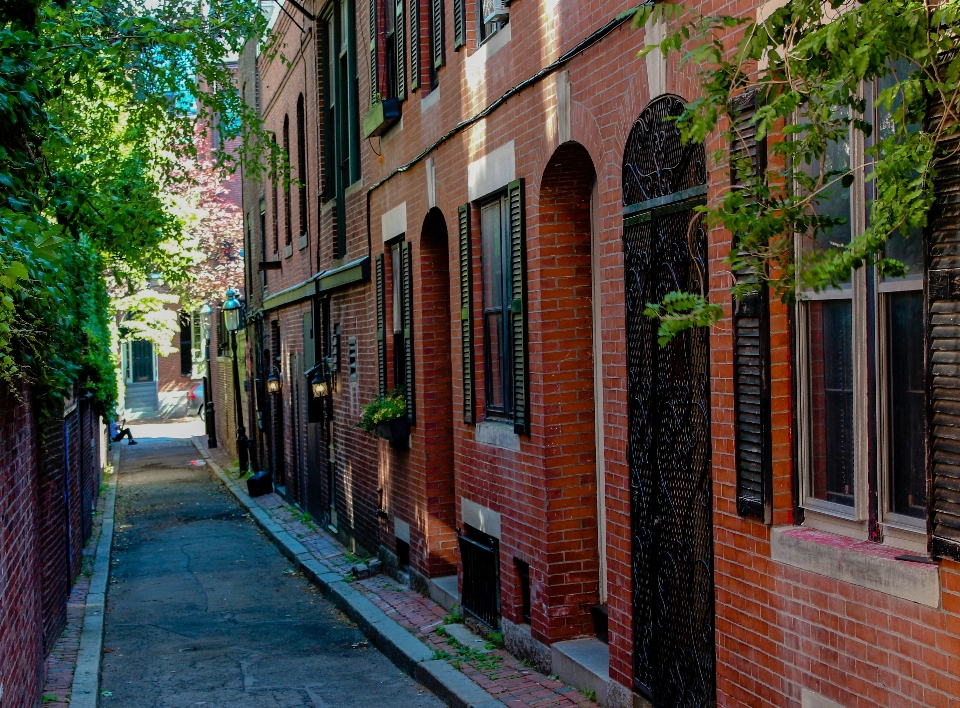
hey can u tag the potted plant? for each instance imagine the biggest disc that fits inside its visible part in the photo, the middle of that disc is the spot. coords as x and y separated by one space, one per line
386 417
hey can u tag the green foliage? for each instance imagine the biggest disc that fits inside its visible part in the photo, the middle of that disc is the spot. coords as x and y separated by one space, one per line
495 640
808 63
383 409
99 102
455 616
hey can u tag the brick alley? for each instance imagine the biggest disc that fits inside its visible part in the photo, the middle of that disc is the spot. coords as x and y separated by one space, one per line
203 610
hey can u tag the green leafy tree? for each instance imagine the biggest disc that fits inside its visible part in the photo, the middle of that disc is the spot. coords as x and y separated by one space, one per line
808 64
100 102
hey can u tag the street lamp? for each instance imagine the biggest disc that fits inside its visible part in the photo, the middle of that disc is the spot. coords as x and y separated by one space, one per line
231 315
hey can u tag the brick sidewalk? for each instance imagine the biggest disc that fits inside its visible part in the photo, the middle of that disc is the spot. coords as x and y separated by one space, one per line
496 671
62 661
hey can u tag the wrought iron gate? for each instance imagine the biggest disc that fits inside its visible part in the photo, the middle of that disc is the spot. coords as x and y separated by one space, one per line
665 246
481 578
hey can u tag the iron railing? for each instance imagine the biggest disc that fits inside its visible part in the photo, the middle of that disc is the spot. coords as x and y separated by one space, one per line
481 579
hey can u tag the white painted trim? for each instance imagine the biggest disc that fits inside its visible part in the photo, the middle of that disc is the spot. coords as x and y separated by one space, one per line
812 699
600 448
480 517
476 62
656 63
394 222
431 167
430 100
493 171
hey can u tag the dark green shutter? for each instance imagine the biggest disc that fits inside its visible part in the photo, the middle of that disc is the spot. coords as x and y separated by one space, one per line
943 354
466 312
406 264
401 57
381 328
518 309
459 24
414 45
751 345
374 54
436 34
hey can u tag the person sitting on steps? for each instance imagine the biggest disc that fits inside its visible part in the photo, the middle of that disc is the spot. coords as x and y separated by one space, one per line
117 433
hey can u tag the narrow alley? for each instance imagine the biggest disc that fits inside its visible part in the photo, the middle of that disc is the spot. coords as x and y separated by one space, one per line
203 610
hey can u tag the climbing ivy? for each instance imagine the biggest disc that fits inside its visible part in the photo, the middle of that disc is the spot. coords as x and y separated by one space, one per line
809 63
100 101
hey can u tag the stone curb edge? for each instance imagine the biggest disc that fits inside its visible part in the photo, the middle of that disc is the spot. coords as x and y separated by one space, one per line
85 689
400 646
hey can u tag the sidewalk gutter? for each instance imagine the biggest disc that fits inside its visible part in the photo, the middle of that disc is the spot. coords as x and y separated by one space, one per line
85 691
396 643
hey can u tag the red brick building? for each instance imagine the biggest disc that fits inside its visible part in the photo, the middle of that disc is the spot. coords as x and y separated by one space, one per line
478 209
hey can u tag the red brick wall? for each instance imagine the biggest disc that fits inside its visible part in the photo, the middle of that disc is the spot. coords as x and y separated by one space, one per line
21 609
169 376
55 573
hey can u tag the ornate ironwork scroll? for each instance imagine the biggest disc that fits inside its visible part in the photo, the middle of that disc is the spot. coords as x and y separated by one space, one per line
665 245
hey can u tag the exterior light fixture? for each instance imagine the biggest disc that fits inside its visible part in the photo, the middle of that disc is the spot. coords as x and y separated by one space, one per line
274 384
318 385
231 311
205 309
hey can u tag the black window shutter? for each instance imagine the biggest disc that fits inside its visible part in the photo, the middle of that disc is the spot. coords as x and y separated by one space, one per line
381 328
436 34
406 263
414 45
518 309
466 312
401 58
186 344
374 55
943 355
459 24
751 346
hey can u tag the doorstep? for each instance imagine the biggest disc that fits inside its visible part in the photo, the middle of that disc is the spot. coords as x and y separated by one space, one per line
583 664
445 591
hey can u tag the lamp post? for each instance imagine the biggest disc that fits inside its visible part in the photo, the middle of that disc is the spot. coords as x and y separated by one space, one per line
209 411
231 315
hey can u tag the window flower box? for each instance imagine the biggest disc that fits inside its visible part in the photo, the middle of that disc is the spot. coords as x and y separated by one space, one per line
381 117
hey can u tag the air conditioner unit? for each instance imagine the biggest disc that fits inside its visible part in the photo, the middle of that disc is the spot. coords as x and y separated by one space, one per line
495 10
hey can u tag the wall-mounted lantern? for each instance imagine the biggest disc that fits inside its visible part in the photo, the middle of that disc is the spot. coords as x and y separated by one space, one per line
274 382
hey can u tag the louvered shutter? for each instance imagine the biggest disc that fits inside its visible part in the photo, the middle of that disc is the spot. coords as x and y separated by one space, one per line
374 55
401 58
466 312
436 33
186 344
943 355
518 309
751 342
406 263
381 328
414 45
459 23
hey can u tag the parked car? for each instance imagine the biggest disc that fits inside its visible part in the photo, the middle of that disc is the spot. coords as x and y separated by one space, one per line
195 401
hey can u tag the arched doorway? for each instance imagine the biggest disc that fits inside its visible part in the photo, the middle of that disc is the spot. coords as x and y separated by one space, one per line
665 249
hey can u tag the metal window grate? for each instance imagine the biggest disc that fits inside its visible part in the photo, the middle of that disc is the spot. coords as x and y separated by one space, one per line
481 579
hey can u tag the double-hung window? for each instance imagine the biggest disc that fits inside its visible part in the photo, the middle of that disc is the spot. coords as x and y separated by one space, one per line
861 375
492 16
397 314
341 114
495 267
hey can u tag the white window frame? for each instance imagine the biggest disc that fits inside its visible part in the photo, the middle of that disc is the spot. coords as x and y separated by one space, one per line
898 530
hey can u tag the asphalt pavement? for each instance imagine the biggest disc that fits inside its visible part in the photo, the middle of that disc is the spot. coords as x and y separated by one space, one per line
203 610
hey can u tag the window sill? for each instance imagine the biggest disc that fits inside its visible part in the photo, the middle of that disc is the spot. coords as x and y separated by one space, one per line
288 251
862 563
497 434
430 100
302 242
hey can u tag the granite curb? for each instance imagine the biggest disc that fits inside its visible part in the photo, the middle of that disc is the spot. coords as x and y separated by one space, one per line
396 643
85 689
